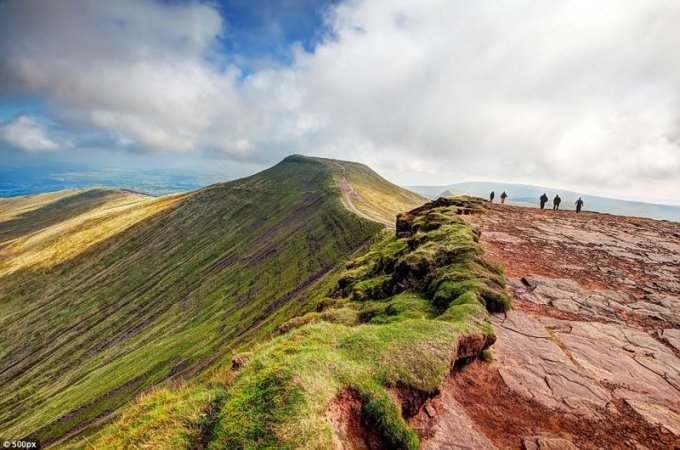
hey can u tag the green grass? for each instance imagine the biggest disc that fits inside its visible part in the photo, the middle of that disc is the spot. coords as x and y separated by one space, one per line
167 419
280 397
168 296
376 197
255 269
487 355
408 339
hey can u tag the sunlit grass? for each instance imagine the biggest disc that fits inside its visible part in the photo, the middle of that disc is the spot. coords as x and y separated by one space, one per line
73 235
376 197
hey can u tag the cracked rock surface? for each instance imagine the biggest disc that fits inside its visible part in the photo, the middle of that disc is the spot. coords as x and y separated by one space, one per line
590 355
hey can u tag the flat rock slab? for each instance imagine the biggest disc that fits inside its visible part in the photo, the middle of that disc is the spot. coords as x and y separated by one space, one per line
535 366
578 366
622 254
601 304
658 415
595 331
547 443
448 426
671 336
637 365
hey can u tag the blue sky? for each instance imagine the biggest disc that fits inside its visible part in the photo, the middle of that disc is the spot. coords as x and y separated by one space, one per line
565 93
267 29
12 107
254 33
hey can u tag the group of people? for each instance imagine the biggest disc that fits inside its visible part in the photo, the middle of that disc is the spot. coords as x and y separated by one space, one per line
543 200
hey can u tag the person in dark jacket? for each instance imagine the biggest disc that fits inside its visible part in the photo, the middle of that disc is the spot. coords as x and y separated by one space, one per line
503 197
579 204
492 196
556 202
544 200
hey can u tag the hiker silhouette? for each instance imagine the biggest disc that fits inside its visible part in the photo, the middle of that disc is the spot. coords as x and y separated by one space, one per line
503 197
544 200
579 204
491 196
556 202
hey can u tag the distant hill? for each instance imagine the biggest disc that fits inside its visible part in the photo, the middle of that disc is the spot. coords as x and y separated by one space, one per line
527 195
105 293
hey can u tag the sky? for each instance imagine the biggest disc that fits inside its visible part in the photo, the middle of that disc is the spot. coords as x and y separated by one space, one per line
575 94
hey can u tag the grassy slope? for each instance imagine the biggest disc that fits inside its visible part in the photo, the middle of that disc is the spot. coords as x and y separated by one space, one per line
44 230
397 317
22 216
167 295
377 198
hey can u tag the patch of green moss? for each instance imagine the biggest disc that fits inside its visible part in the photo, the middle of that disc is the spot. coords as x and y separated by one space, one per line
344 316
486 355
374 287
279 397
406 305
381 411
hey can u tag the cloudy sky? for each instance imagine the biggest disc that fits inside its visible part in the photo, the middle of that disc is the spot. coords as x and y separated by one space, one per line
577 94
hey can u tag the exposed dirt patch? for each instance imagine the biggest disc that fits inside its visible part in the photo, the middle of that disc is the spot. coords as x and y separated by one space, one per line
350 427
410 399
442 423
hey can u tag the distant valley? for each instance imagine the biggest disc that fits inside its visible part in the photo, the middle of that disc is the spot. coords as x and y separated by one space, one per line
38 179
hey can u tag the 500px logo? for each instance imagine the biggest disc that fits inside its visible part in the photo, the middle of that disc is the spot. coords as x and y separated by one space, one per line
20 444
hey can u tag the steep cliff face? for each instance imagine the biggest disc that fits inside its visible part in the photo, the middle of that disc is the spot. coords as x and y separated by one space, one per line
588 356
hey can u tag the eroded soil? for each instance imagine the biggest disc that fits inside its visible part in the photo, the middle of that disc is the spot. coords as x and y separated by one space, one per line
589 356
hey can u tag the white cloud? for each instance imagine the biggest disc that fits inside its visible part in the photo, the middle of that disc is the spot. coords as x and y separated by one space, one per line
133 68
26 133
568 92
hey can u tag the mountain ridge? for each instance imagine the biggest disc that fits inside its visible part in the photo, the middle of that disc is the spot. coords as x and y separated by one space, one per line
230 259
399 319
281 310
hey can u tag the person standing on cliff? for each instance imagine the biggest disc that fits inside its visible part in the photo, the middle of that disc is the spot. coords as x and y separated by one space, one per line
503 197
492 196
579 204
544 200
556 202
